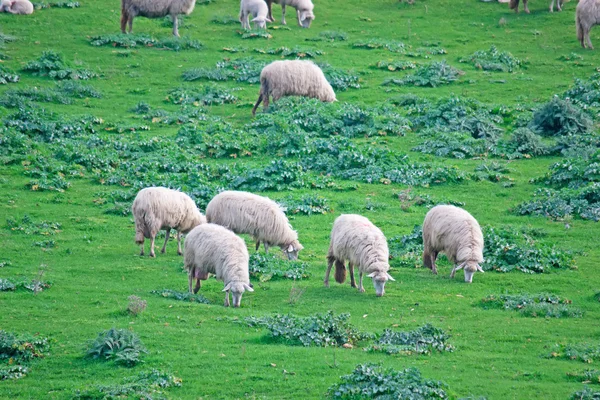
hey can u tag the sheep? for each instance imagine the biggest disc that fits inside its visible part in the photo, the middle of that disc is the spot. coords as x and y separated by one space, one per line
158 208
259 216
559 4
514 5
24 7
587 15
258 9
154 9
210 248
304 11
293 78
356 239
455 232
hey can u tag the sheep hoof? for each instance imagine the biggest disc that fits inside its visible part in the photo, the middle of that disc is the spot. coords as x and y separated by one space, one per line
326 283
152 255
354 286
162 251
362 290
179 253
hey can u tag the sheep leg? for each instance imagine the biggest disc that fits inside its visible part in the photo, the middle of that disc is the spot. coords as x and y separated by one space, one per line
190 281
257 245
130 21
226 298
551 5
352 281
525 6
283 15
260 99
152 254
588 40
198 285
330 260
124 18
433 258
179 252
167 236
266 247
266 103
269 8
360 283
175 27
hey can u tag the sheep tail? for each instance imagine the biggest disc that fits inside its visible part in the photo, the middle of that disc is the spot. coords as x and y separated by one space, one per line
340 272
513 4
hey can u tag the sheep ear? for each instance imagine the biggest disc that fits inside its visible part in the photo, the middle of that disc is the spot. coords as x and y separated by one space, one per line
460 266
259 19
290 249
390 277
302 16
248 288
372 274
227 287
479 268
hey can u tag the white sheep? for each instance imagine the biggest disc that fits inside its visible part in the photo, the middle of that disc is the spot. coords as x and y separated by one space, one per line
258 9
304 11
587 15
293 78
210 248
154 9
356 239
24 7
258 216
455 232
514 5
158 208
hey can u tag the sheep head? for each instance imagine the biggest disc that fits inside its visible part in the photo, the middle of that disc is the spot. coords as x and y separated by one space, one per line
260 22
379 279
306 18
292 249
470 267
237 289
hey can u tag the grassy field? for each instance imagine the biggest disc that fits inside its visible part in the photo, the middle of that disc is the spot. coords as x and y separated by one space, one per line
94 266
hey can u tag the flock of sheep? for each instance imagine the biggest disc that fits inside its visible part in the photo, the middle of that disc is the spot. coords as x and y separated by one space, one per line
212 246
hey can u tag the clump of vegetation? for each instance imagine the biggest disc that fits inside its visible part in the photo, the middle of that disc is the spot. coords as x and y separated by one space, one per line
585 92
558 118
584 352
182 296
55 4
582 202
453 145
61 94
407 250
30 227
340 79
573 172
374 382
13 372
308 204
492 171
586 376
493 60
255 34
295 52
21 348
390 45
146 385
52 64
543 305
205 95
330 36
119 345
423 340
225 20
8 76
246 69
408 199
129 41
523 143
34 285
268 266
136 305
432 75
586 393
397 65
320 330
427 52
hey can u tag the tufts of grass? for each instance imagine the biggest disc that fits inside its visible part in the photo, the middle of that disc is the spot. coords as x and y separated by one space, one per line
8 76
543 305
225 20
590 376
329 36
493 60
584 352
266 267
129 41
397 65
181 296
431 75
255 34
205 95
390 45
122 346
52 64
146 385
560 117
423 340
308 204
294 52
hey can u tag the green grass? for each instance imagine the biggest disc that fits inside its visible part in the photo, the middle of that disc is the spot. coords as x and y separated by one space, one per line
94 266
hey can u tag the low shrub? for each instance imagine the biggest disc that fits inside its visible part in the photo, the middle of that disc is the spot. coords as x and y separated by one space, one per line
591 376
295 52
52 64
543 305
423 340
390 45
308 204
330 36
523 143
586 393
34 285
560 117
22 348
432 75
181 296
492 171
397 65
119 345
340 79
8 76
255 34
55 4
269 266
13 372
407 250
573 173
585 92
453 145
582 202
584 352
205 95
493 60
372 381
129 41
62 94
246 69
136 305
320 330
29 227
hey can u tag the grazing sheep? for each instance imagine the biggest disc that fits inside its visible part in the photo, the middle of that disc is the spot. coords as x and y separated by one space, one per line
293 78
356 239
244 212
17 7
558 3
157 208
514 5
210 248
258 10
455 232
154 9
304 11
586 16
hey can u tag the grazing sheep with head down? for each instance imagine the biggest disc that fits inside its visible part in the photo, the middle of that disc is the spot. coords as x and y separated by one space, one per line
304 11
587 15
258 10
154 9
293 78
158 208
455 232
514 5
212 249
259 216
23 7
356 239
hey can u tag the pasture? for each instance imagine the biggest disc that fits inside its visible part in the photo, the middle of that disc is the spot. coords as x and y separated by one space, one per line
80 138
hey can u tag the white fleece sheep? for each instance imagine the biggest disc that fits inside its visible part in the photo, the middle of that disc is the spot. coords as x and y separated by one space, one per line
304 11
158 208
258 9
455 232
587 15
24 7
154 9
258 216
356 239
293 78
210 248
